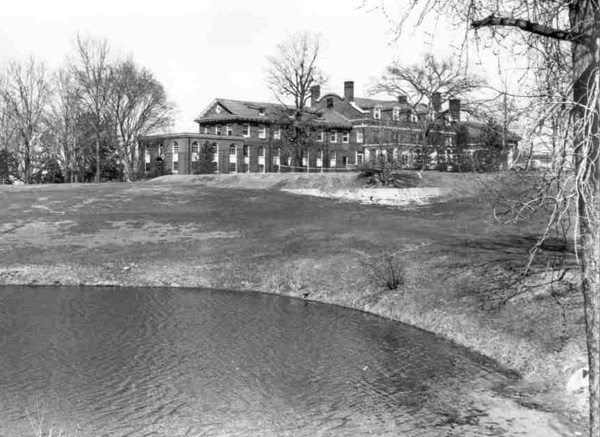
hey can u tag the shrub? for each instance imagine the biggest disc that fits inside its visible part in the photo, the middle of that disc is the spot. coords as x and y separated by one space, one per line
386 269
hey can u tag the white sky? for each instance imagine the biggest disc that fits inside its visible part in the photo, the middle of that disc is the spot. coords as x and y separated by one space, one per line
202 49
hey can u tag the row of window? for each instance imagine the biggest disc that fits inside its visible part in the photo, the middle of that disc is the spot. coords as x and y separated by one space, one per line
262 133
395 114
320 138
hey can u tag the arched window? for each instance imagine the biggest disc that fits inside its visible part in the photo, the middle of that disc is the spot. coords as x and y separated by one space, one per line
246 150
319 154
175 156
195 147
232 158
161 151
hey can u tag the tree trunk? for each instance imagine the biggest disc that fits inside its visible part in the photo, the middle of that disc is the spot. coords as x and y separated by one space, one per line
97 156
586 62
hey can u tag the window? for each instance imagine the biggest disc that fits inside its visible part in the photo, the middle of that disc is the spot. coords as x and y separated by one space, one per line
207 130
396 113
261 151
218 130
262 131
195 147
161 151
360 138
333 136
175 149
261 111
377 112
246 150
246 130
320 136
229 130
277 134
214 148
345 137
232 149
414 118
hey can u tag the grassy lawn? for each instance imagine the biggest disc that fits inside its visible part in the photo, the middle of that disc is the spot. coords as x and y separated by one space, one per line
244 233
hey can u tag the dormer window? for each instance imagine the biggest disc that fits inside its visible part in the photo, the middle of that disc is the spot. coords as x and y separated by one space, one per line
396 113
377 112
414 118
261 111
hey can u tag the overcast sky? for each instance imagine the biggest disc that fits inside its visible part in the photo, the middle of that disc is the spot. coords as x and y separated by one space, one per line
203 49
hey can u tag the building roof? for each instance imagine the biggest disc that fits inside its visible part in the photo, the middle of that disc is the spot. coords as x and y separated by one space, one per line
231 109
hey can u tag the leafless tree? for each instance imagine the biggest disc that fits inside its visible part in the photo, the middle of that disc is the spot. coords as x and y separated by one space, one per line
294 69
26 93
138 105
67 126
545 31
92 70
427 85
291 73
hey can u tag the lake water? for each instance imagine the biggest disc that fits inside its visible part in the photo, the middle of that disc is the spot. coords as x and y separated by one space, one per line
170 362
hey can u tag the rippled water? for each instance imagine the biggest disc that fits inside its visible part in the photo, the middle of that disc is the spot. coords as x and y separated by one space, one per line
153 362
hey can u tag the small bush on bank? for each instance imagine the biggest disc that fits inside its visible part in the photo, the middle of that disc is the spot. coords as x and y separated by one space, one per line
387 270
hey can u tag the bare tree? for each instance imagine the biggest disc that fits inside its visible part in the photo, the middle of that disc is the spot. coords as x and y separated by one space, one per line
67 125
546 29
291 74
294 69
93 71
26 94
138 106
427 85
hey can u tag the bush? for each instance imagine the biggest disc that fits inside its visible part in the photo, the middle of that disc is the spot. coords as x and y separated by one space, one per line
386 269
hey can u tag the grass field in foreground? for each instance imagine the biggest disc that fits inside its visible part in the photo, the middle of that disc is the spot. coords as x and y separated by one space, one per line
209 232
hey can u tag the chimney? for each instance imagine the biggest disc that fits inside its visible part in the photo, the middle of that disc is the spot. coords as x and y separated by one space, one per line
403 100
437 102
349 91
454 109
329 102
315 93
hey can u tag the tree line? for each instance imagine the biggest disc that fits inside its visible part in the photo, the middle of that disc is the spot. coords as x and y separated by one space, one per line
81 122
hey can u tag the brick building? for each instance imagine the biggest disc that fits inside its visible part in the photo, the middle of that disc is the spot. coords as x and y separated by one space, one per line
342 131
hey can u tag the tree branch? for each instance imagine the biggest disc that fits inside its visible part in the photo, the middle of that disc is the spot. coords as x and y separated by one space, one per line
535 28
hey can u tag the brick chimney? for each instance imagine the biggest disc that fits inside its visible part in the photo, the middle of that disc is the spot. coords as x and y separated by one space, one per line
329 102
437 102
454 107
403 100
315 93
349 91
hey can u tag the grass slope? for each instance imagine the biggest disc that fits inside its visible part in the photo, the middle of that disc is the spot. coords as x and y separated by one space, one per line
208 232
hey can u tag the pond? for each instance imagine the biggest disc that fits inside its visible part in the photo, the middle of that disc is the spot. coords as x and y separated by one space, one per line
179 362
